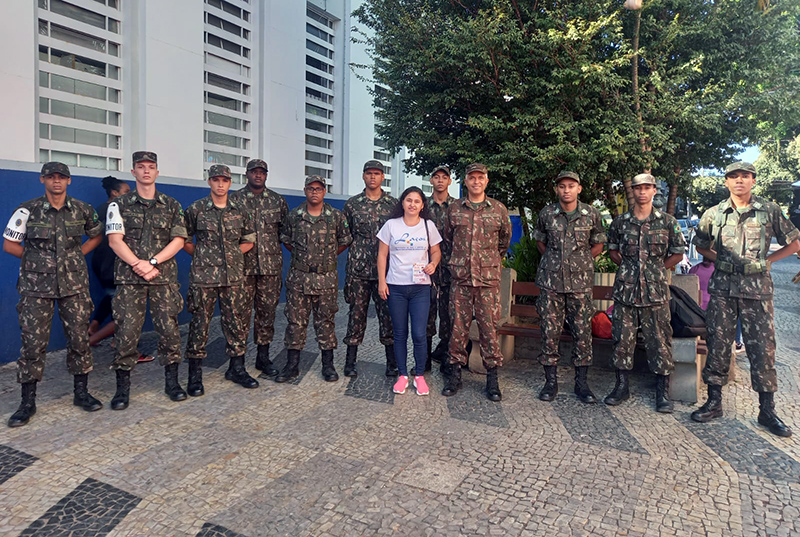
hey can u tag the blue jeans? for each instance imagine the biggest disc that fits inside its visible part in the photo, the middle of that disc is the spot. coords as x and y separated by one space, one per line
413 301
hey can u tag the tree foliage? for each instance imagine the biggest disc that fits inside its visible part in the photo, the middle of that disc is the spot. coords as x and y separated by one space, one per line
530 88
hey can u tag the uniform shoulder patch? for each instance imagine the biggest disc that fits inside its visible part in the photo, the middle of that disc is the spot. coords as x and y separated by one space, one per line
17 225
114 223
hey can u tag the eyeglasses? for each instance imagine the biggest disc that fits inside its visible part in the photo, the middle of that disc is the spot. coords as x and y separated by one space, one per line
315 189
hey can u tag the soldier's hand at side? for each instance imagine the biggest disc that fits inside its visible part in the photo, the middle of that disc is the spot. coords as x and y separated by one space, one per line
429 269
383 290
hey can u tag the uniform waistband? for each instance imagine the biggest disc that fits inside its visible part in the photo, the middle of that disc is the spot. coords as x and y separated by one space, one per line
757 267
314 269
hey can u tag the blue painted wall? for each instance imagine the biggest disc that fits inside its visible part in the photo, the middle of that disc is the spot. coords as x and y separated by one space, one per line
18 186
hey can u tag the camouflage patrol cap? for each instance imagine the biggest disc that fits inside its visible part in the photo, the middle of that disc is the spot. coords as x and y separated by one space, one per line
740 166
315 179
444 169
257 163
55 167
218 170
144 156
374 165
476 167
643 179
565 174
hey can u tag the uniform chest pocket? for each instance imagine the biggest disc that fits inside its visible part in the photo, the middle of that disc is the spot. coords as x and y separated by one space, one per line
161 227
233 225
74 228
582 235
490 223
133 226
271 217
39 232
365 225
630 246
658 244
752 237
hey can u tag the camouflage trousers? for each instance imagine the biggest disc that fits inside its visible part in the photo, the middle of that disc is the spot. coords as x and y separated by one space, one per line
758 334
263 292
298 309
577 309
653 321
130 306
357 293
484 302
35 319
440 304
200 303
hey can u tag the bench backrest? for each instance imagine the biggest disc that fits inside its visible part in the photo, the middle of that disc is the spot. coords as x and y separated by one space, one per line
521 289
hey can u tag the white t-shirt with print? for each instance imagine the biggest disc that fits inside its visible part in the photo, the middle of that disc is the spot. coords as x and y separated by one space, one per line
407 246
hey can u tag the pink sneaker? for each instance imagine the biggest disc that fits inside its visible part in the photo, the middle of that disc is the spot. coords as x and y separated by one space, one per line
401 385
421 385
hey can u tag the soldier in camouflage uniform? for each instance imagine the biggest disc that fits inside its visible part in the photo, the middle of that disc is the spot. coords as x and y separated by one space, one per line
223 230
366 213
146 229
53 270
262 264
569 234
736 235
316 234
478 233
645 242
439 201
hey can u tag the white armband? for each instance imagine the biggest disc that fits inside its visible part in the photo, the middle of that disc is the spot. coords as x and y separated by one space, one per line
17 226
114 222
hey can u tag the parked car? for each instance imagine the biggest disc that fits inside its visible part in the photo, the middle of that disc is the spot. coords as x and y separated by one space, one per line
686 228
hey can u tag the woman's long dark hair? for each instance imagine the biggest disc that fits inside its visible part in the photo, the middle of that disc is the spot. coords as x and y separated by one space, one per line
112 183
398 211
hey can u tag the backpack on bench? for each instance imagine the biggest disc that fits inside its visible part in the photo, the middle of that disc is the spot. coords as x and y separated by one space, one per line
686 316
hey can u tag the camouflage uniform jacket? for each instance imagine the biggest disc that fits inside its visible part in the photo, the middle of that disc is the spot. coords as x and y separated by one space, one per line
644 246
217 259
52 264
439 213
148 226
741 240
365 218
478 240
268 211
315 242
567 265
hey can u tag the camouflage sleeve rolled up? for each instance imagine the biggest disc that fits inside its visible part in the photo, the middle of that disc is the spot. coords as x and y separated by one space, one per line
92 226
598 234
177 225
784 230
504 237
677 244
613 234
540 232
703 237
190 221
343 235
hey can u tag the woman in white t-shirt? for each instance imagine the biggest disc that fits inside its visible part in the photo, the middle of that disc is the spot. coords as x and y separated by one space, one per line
408 254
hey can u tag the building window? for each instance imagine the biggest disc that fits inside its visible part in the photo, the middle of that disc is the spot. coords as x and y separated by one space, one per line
318 142
318 157
317 126
77 38
224 83
77 13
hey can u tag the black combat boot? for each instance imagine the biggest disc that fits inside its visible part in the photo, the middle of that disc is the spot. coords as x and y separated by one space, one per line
582 389
440 353
238 374
550 388
81 396
712 408
663 403
350 361
768 418
120 399
621 391
328 371
391 363
27 407
171 385
428 359
195 385
292 368
492 387
264 364
452 381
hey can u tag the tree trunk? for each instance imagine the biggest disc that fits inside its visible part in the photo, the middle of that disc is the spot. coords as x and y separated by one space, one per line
523 219
626 181
673 195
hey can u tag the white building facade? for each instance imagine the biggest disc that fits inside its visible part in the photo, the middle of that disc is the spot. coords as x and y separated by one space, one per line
87 82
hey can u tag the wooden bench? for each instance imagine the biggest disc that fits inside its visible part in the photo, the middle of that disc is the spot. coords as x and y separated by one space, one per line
688 353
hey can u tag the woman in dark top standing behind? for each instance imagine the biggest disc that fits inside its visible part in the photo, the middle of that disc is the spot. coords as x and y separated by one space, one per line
103 267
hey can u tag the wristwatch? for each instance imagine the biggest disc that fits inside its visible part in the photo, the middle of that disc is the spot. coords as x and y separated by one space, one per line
154 261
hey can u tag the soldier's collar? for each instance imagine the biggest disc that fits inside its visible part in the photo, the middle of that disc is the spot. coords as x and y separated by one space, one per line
302 210
466 203
655 213
448 200
756 203
159 197
46 204
384 195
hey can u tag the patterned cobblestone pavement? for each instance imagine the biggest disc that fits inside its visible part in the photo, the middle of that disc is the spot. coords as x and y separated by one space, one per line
350 458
